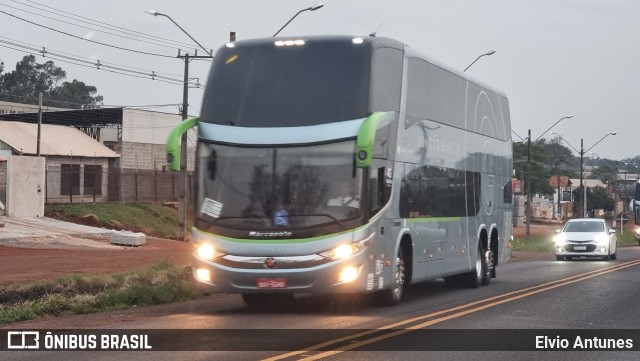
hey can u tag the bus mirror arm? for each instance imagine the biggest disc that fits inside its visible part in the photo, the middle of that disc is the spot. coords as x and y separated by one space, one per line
173 142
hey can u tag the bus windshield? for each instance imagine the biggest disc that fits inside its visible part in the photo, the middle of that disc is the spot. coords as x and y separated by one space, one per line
261 84
277 188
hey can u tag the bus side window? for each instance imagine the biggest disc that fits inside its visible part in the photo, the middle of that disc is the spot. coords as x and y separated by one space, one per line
379 188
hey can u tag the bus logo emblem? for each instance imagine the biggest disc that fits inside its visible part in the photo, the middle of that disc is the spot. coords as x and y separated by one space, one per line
270 263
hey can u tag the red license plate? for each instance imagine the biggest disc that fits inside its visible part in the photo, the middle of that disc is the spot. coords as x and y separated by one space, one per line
271 282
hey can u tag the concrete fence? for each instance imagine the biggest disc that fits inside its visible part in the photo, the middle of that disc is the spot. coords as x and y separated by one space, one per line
87 185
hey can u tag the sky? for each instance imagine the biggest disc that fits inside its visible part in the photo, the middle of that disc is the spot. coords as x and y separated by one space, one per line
553 58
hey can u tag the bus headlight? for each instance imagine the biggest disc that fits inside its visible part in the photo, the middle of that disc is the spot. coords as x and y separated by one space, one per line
345 251
205 251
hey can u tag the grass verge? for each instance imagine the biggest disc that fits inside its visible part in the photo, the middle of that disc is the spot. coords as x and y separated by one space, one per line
152 219
545 243
156 284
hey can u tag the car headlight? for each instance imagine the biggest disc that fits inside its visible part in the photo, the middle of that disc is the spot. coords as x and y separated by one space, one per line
602 239
560 239
345 251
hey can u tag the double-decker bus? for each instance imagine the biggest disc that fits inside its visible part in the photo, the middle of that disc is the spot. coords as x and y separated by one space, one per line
345 164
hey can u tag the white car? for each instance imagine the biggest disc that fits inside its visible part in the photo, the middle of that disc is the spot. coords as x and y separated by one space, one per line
589 237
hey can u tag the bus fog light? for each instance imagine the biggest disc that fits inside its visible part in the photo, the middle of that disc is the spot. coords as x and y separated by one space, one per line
206 251
203 274
349 274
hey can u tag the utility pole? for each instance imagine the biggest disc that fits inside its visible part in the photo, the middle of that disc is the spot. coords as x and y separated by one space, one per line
529 198
584 190
182 182
39 122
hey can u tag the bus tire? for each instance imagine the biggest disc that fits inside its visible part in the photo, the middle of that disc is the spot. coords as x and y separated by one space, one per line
395 293
475 277
489 269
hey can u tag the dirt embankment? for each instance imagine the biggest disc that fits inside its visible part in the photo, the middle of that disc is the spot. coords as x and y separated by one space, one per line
18 264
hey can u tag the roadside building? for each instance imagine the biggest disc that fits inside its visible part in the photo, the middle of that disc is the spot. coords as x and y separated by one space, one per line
137 136
75 164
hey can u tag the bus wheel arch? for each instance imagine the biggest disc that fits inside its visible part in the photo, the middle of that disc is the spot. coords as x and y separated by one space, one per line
401 275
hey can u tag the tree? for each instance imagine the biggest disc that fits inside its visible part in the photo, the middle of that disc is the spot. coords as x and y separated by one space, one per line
540 170
29 79
76 92
597 198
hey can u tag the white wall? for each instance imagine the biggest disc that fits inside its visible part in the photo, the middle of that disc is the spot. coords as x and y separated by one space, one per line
143 126
25 186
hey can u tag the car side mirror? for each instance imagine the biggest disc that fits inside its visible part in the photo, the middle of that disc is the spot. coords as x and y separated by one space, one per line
611 231
558 230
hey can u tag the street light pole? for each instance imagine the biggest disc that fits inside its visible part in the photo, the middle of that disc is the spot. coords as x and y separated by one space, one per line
582 152
182 182
157 13
528 209
310 8
491 52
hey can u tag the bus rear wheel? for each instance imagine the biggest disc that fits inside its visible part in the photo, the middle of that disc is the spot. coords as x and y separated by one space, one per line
480 275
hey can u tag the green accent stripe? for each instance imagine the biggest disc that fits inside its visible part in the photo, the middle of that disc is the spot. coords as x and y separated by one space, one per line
433 219
366 138
173 142
279 241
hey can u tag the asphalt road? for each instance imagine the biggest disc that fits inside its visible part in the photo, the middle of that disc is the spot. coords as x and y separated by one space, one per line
529 306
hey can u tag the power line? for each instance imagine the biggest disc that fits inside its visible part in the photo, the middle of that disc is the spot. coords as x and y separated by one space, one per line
77 60
81 38
147 39
41 50
114 27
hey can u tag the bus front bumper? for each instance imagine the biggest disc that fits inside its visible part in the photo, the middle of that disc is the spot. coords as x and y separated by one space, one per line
286 275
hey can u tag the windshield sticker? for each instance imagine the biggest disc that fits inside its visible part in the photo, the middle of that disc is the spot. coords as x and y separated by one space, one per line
281 218
211 208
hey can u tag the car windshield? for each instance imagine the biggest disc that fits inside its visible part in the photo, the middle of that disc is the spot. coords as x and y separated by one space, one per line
584 227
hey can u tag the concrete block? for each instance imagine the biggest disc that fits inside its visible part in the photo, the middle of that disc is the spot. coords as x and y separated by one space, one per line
519 211
518 221
128 238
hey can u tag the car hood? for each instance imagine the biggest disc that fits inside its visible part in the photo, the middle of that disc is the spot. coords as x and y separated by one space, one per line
582 236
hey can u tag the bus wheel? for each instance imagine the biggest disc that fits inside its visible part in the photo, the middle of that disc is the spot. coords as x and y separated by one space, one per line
489 269
393 295
476 277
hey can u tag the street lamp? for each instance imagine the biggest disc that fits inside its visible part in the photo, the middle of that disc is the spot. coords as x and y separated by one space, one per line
157 13
491 52
528 209
582 153
182 204
310 8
